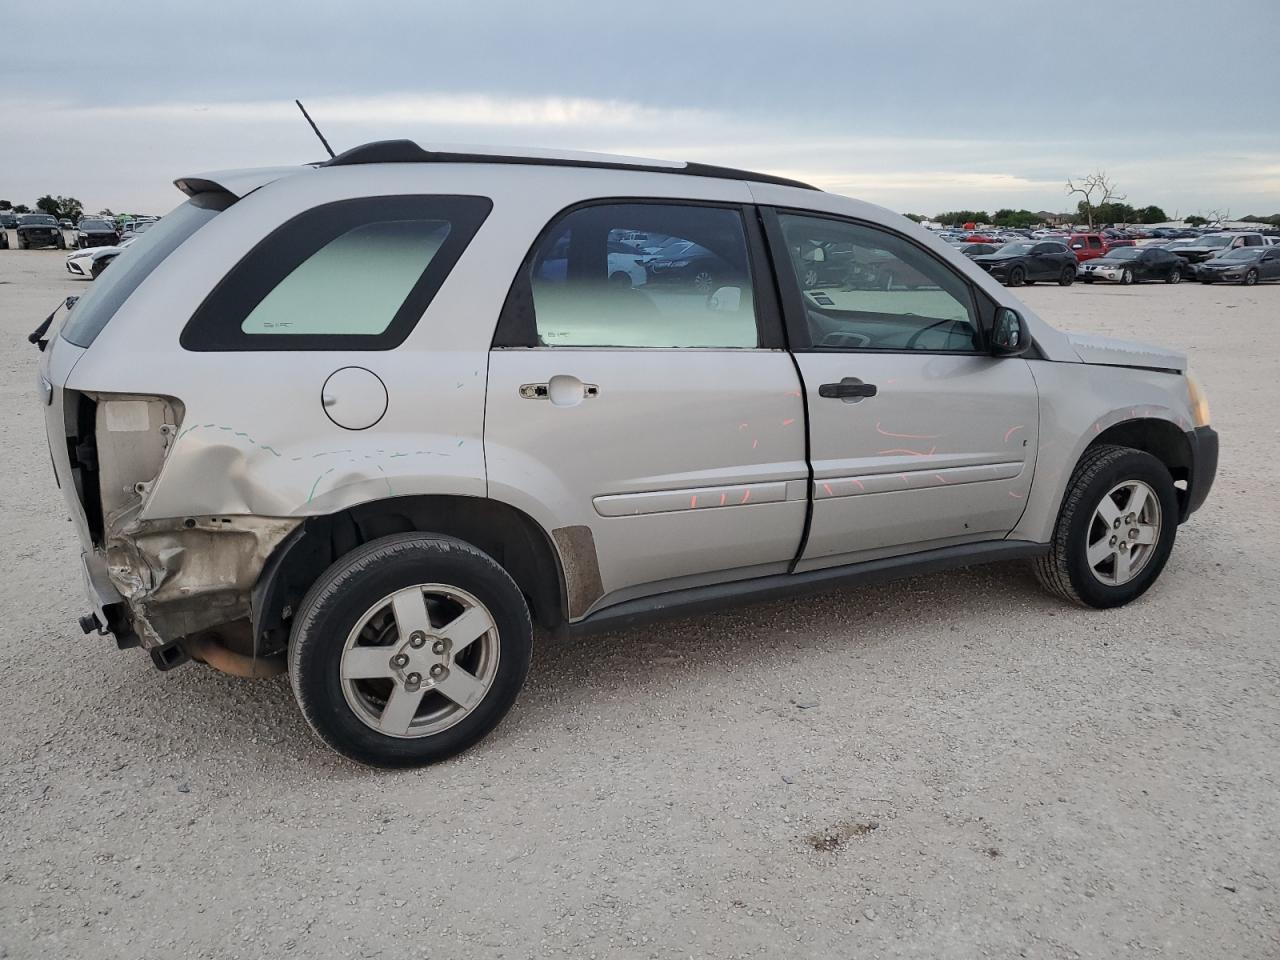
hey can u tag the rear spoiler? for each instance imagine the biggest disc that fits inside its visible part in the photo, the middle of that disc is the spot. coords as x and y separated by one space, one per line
238 183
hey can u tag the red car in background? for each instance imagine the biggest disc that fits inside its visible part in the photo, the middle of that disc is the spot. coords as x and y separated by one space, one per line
1086 246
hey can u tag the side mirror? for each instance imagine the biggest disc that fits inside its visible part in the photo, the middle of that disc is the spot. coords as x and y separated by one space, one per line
1009 337
725 300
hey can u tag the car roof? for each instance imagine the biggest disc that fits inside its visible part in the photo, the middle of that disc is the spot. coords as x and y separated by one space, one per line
242 182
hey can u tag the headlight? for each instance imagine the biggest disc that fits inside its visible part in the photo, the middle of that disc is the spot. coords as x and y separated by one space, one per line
1199 402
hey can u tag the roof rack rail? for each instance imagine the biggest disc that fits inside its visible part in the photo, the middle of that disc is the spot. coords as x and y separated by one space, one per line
406 151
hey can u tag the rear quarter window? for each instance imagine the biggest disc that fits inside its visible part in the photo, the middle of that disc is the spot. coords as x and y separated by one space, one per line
354 274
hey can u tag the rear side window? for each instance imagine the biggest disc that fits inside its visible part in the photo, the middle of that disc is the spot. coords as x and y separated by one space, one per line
356 274
687 283
135 263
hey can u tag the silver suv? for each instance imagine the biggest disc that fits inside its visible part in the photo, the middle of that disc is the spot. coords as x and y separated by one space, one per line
368 420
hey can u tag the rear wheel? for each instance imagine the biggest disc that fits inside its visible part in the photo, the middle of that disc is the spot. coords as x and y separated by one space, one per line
1067 277
1115 530
1175 276
409 650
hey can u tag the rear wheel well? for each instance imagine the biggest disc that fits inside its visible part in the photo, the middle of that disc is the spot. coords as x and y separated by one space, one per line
1160 438
508 535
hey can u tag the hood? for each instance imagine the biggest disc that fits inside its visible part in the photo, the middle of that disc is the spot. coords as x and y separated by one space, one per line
1218 263
38 226
96 229
1110 352
996 257
1105 261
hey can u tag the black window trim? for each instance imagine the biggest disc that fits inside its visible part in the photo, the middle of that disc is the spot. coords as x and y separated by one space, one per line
517 327
793 311
215 326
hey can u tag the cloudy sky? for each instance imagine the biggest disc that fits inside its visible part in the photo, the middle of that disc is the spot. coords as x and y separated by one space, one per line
921 105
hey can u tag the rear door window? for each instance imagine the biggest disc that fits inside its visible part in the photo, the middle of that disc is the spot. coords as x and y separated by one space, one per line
92 312
355 274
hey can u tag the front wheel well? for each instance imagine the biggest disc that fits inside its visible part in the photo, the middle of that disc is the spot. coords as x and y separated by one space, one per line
509 536
1160 438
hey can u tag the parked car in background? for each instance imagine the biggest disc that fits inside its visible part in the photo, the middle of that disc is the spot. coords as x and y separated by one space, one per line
978 249
1214 244
136 229
95 232
90 262
689 264
1246 265
235 418
8 221
39 230
4 239
1027 261
1126 265
66 224
1086 246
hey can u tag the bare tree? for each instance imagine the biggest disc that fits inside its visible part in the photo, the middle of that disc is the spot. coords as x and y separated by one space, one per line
1096 184
1218 217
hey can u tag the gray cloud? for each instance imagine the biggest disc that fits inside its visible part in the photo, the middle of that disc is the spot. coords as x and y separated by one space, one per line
918 106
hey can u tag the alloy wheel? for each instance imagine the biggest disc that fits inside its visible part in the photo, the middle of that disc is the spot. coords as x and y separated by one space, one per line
1123 532
419 661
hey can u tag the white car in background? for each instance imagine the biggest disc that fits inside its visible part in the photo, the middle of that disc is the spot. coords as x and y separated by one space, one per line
91 261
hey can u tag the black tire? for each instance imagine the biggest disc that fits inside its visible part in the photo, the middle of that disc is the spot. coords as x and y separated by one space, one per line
1065 570
96 270
358 581
1126 277
1251 278
62 243
1067 277
1175 276
22 244
1017 277
1085 278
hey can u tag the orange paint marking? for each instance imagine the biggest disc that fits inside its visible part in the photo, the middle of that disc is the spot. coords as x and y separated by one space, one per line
1015 494
940 478
859 483
787 423
904 450
746 496
754 444
693 502
906 436
827 487
1011 431
722 496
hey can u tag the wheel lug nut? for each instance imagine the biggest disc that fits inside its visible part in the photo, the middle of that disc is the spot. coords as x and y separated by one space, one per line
1123 545
1113 541
1116 525
413 679
438 670
417 638
400 660
439 647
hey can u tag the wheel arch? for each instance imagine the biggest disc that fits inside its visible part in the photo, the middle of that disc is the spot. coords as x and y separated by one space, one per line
1160 438
513 538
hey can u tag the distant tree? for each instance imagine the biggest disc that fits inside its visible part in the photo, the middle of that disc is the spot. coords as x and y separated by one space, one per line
106 212
964 216
1195 220
1151 214
1095 189
61 207
917 217
1019 219
21 208
5 205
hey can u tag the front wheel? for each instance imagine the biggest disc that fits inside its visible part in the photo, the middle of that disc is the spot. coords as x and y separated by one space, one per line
1175 276
1017 277
1251 278
1126 277
1115 529
409 650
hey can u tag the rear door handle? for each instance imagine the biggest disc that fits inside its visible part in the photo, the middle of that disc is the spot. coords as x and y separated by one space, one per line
849 389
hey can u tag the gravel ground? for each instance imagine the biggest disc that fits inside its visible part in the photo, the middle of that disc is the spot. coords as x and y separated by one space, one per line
951 766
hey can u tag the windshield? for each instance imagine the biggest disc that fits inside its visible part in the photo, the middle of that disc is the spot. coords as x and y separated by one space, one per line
1243 253
132 266
1015 249
1124 253
42 219
94 225
1214 243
